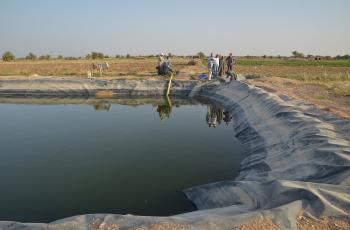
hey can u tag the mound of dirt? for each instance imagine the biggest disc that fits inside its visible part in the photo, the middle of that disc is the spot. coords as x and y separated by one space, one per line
192 62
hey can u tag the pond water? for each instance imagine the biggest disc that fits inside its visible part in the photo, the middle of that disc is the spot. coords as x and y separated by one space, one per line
59 160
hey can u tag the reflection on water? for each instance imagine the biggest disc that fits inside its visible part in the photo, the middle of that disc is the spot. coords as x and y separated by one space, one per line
164 110
102 105
60 157
214 117
227 117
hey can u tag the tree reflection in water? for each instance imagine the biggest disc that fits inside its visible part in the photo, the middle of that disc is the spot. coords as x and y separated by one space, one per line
164 110
102 105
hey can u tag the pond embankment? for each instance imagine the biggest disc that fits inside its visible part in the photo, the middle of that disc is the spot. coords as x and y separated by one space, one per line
296 160
83 87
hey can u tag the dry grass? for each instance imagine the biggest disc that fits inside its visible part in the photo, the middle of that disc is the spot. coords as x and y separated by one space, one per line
326 86
305 223
335 79
119 68
265 224
319 95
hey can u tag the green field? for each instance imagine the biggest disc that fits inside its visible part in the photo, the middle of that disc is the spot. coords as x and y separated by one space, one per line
283 62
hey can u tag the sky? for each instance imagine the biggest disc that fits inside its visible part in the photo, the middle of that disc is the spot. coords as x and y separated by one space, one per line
183 27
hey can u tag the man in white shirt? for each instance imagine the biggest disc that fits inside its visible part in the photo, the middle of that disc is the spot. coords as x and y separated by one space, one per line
210 66
216 65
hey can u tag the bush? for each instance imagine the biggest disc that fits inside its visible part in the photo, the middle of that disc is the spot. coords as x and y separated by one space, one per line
71 58
128 56
45 57
201 55
345 57
31 56
96 55
8 56
296 54
59 57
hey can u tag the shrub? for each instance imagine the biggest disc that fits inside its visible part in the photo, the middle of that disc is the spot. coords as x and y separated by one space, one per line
31 56
128 56
70 58
297 54
45 57
59 57
8 56
96 55
201 55
345 57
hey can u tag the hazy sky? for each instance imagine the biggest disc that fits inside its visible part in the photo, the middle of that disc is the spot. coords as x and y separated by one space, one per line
255 27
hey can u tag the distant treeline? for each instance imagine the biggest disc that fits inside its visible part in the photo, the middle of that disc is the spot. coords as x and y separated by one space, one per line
8 56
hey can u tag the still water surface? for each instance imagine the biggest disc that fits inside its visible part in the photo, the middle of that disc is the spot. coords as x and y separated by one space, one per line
59 160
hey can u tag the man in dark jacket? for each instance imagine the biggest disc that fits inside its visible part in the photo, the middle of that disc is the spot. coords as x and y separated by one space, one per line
230 61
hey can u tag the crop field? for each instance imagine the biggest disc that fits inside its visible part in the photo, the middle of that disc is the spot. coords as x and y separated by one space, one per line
292 62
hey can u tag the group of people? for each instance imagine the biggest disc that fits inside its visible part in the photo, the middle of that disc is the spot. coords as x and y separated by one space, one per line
216 66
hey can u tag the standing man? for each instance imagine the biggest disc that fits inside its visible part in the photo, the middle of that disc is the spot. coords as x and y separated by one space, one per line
210 66
221 66
230 61
216 65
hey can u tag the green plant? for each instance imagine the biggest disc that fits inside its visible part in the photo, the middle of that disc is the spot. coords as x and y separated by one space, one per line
286 62
96 55
8 56
31 56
